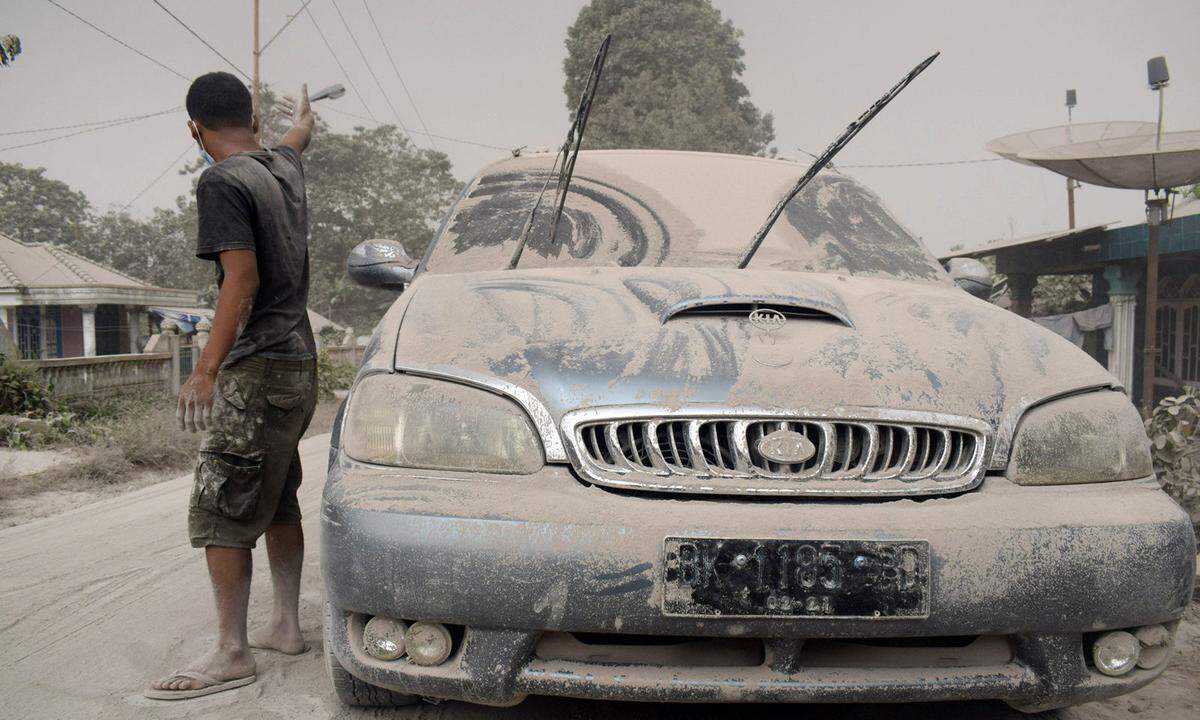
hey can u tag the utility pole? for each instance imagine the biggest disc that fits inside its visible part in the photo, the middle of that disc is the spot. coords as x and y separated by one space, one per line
1156 215
1156 211
1071 102
257 87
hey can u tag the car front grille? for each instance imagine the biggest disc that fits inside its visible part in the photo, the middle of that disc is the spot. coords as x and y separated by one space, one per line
869 453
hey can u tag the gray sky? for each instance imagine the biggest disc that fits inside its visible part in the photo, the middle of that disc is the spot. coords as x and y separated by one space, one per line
491 72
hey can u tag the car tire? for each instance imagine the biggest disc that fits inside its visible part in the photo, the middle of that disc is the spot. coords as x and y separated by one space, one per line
354 692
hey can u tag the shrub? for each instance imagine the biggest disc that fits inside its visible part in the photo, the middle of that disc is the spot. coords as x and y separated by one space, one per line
22 391
1174 430
333 375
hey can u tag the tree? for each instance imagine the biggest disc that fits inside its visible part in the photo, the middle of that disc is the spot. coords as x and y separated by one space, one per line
672 79
160 250
367 184
35 208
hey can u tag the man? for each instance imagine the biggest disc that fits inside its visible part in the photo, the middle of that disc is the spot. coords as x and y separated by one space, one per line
254 387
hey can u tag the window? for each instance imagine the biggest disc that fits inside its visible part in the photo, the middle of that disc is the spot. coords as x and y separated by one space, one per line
29 331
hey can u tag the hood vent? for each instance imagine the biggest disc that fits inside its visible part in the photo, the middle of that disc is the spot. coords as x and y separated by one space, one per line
742 309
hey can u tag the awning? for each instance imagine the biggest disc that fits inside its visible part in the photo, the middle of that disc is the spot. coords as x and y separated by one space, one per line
187 318
997 245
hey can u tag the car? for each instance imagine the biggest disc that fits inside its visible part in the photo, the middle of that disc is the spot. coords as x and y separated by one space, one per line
591 456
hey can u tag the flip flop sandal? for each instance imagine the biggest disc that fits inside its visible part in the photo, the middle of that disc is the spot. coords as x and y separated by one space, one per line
211 685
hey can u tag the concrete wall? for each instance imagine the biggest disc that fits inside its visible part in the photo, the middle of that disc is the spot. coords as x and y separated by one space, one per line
345 353
106 375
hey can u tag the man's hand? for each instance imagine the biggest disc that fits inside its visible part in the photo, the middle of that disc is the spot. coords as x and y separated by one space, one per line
196 401
234 304
302 116
298 108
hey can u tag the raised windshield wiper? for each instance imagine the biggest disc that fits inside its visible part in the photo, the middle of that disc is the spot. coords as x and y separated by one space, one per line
824 158
569 149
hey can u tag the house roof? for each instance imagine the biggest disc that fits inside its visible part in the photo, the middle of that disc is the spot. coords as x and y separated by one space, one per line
39 272
992 247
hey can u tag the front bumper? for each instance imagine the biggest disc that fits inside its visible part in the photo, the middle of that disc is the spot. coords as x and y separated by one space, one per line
512 558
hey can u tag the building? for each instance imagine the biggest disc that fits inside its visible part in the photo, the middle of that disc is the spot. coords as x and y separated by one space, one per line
1115 257
57 304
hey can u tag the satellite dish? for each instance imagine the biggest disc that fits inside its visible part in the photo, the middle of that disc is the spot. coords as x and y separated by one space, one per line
1137 162
1010 147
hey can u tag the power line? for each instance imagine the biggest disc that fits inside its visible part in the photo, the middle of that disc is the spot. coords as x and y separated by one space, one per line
85 131
432 135
197 36
370 69
159 177
120 42
285 26
398 76
939 163
926 164
339 63
177 108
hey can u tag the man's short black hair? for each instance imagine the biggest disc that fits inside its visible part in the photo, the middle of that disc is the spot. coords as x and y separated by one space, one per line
218 100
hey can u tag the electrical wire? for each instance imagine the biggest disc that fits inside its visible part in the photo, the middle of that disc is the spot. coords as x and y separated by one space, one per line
120 42
399 77
285 26
86 130
432 135
370 69
339 63
160 176
926 164
202 40
941 163
177 108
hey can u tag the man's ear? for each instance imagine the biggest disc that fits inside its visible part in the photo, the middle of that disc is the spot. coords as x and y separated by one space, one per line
254 123
191 126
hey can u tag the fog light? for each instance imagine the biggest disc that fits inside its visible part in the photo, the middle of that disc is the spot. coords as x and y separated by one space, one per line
1116 653
383 638
1156 642
428 643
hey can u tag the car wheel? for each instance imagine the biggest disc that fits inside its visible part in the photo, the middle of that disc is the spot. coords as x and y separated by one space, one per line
354 692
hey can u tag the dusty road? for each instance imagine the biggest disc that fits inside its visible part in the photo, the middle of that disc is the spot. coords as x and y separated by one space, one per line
97 601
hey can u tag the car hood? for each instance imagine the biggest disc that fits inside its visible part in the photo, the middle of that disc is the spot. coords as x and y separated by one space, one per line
672 336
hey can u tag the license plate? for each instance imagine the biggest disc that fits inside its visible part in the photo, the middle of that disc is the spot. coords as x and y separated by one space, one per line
796 578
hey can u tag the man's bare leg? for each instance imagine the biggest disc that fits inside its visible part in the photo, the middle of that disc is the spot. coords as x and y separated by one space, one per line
229 570
285 551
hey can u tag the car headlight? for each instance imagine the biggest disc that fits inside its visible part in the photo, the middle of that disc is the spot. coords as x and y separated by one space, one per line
422 423
1095 437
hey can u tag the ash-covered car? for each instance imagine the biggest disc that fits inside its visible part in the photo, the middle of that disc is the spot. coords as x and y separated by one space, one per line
627 468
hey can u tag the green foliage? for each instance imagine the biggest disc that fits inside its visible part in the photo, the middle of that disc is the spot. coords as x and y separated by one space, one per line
1058 294
35 208
672 79
22 391
332 375
160 250
10 48
1174 430
371 183
331 335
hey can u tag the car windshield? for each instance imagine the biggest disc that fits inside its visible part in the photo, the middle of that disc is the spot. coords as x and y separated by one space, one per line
661 208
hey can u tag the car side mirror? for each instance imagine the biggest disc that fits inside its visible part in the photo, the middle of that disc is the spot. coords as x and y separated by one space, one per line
972 276
381 264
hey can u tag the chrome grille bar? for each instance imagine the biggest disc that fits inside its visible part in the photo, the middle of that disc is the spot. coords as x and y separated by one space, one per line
865 452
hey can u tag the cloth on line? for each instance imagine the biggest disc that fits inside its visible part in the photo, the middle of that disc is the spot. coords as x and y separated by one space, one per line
1072 326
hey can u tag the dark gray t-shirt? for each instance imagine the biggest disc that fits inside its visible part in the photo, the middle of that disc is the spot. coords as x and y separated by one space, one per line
256 201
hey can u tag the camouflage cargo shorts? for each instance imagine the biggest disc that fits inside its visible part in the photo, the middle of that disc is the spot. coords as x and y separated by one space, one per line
248 471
